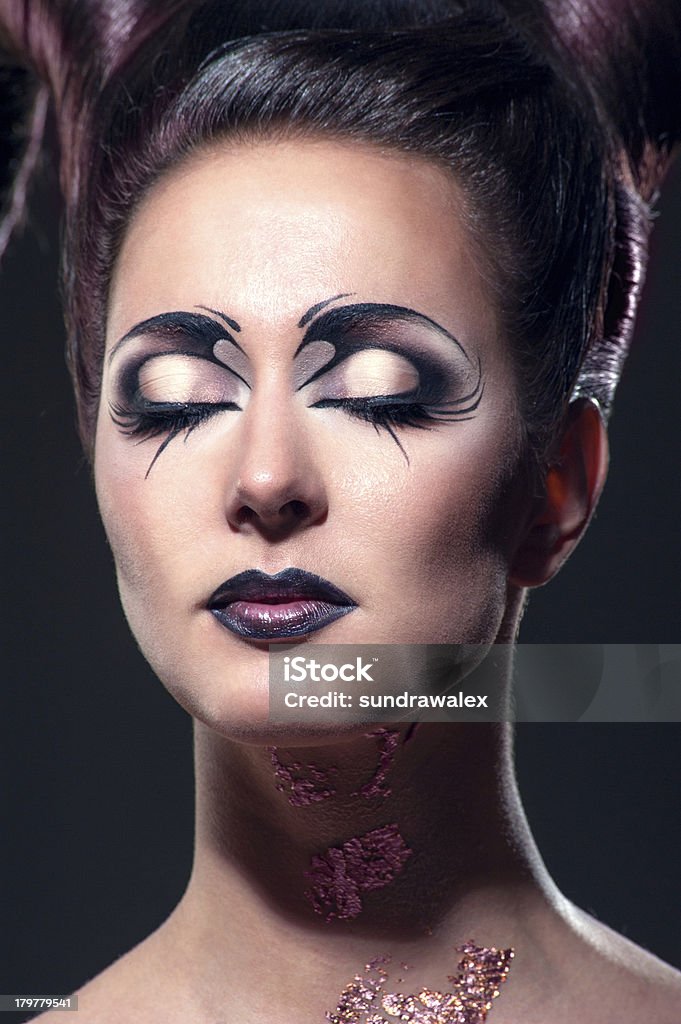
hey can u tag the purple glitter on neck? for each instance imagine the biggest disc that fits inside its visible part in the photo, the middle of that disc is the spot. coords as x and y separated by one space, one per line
363 864
388 740
304 784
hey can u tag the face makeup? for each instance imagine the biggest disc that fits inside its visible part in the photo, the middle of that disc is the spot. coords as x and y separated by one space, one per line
385 364
171 387
302 374
367 345
292 603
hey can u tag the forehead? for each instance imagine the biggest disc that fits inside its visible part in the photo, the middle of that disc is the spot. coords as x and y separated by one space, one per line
264 230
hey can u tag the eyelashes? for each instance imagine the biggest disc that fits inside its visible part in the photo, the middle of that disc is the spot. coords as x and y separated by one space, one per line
426 404
418 409
171 393
170 418
384 414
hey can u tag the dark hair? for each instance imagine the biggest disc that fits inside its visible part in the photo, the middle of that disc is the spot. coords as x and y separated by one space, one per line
556 163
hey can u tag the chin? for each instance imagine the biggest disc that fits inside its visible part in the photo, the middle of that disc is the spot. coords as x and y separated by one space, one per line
230 695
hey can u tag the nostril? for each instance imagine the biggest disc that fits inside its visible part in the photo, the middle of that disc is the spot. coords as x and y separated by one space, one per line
276 505
293 510
297 508
245 515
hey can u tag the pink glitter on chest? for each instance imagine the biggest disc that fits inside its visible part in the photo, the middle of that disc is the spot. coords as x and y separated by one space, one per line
482 970
342 874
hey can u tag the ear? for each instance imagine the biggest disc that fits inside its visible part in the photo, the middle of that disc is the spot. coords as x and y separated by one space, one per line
572 487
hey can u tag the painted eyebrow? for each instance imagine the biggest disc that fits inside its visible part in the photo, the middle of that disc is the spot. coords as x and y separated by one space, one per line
178 322
223 316
313 310
333 324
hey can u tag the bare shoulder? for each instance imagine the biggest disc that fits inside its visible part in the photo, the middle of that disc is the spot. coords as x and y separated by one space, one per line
133 989
634 984
108 997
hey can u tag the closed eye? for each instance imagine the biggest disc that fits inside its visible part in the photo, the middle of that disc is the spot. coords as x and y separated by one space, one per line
390 391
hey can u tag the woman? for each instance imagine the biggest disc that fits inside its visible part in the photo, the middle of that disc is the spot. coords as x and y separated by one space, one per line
401 282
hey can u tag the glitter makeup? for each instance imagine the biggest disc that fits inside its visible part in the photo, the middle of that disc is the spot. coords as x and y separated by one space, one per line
482 971
363 864
377 786
303 784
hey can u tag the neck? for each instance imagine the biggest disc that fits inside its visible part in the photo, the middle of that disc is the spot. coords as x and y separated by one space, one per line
397 841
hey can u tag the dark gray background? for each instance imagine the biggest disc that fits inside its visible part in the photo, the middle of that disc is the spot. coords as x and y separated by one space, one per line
96 759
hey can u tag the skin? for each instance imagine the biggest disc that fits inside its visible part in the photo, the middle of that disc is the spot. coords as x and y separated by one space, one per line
446 522
280 484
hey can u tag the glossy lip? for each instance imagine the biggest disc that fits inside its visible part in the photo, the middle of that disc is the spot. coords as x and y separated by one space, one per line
289 604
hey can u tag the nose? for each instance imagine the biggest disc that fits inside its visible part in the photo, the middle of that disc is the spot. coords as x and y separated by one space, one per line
277 485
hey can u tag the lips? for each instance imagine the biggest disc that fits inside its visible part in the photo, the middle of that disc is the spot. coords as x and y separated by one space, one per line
289 604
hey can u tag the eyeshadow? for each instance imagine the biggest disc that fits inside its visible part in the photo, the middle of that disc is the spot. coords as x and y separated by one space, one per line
368 373
185 378
381 364
311 358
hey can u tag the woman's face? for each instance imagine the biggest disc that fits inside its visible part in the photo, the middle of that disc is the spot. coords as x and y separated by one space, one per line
304 371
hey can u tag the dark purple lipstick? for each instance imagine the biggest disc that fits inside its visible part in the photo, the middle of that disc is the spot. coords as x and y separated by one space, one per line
289 604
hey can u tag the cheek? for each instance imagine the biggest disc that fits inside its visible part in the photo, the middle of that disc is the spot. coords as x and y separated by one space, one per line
142 526
439 533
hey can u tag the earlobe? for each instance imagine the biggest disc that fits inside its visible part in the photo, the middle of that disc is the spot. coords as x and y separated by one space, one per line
572 487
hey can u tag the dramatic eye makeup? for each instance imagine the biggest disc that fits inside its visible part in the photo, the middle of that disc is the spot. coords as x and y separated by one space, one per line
175 371
386 365
176 378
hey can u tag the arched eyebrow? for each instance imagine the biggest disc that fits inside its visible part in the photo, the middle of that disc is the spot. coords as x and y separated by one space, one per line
313 310
223 316
344 319
363 325
182 323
